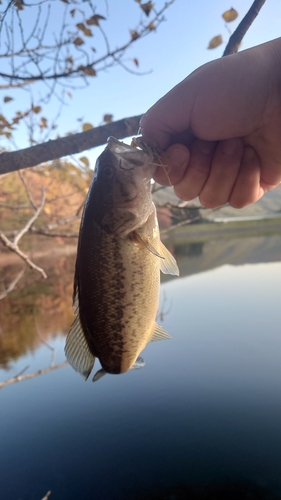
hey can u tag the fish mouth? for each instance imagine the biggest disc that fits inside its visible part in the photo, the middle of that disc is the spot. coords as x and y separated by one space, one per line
128 156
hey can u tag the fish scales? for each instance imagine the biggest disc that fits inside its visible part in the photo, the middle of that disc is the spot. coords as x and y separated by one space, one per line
117 275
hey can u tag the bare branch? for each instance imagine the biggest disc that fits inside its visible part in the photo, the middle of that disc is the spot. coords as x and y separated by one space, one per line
47 495
12 285
13 245
76 143
31 220
238 35
22 178
20 378
22 255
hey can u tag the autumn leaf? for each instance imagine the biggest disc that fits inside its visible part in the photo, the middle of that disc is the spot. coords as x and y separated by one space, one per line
94 20
7 99
108 118
147 7
36 109
88 70
87 126
86 31
43 123
78 41
215 42
135 61
230 15
85 160
151 26
134 34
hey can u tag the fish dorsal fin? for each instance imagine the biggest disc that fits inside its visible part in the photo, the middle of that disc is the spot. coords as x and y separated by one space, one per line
99 374
77 351
148 245
159 334
168 262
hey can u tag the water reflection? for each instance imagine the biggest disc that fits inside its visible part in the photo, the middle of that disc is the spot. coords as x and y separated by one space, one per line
200 420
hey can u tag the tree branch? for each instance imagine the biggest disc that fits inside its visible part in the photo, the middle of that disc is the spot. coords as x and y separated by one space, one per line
238 35
76 143
13 245
19 378
12 285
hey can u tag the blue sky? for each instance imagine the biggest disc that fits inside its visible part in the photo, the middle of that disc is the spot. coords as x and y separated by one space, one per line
177 48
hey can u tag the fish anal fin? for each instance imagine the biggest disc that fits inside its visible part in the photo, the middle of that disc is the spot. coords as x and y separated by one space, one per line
77 350
159 334
139 363
168 264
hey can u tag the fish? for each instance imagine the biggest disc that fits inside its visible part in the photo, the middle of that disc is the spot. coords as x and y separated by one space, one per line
117 271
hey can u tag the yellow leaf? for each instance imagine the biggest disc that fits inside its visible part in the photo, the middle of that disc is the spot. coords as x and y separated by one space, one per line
87 126
85 160
7 99
147 7
94 20
47 210
78 41
36 109
230 15
215 42
135 61
134 34
108 118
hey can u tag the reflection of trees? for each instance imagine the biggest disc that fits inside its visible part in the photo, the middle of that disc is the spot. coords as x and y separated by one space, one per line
47 303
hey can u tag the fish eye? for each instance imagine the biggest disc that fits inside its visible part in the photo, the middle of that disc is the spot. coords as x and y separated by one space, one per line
107 172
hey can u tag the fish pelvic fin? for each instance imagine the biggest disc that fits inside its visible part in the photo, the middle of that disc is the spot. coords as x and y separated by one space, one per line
77 350
168 263
159 334
99 374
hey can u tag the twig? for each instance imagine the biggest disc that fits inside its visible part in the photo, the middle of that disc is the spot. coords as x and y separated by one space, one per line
31 220
22 178
242 28
23 256
76 143
13 245
20 378
12 285
47 495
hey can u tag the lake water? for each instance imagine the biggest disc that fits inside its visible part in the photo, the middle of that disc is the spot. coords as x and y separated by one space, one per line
201 420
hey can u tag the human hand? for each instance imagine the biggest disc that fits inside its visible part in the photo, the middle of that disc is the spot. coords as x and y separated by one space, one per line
221 129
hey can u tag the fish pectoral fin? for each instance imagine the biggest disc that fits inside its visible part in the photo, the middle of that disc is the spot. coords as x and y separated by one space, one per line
168 264
147 244
99 374
139 363
77 350
159 334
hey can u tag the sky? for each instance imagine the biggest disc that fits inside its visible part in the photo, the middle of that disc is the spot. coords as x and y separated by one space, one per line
167 56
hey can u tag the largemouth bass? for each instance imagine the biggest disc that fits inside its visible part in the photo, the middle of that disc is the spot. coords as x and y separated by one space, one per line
119 257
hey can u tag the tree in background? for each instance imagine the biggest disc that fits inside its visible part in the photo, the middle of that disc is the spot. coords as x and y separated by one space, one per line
50 66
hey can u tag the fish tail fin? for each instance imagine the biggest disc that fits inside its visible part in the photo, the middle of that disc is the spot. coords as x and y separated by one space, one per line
77 350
